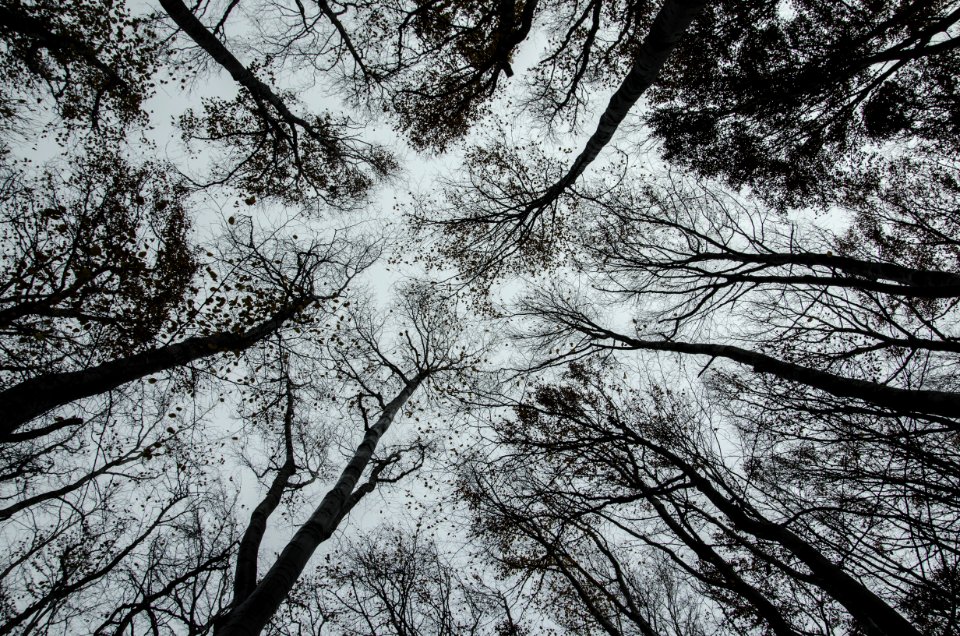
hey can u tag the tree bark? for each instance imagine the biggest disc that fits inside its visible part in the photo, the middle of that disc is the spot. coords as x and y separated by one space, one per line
252 615
34 397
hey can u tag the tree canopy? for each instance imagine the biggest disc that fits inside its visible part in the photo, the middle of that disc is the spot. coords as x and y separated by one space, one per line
622 317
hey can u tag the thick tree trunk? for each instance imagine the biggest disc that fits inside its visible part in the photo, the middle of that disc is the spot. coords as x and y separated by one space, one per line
252 615
32 398
668 27
907 401
875 616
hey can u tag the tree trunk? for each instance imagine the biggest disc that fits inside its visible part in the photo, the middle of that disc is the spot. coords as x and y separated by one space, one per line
188 22
920 283
874 615
252 615
34 397
907 401
670 24
245 578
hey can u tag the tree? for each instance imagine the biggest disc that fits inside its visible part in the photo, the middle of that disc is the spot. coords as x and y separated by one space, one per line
586 582
77 479
429 348
731 412
507 201
272 152
438 66
834 347
563 322
785 100
593 459
115 529
97 257
265 290
393 581
94 61
827 311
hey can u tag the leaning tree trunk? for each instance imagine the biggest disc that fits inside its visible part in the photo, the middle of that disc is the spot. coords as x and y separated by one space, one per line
188 22
874 615
32 398
251 615
945 404
670 24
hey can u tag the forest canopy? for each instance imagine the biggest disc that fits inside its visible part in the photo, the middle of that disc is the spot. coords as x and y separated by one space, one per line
442 317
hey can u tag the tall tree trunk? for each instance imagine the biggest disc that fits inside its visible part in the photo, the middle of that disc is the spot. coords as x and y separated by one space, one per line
245 578
875 616
668 27
188 22
34 397
252 615
908 401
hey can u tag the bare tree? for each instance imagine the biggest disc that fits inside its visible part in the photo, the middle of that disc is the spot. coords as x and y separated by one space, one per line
604 460
260 293
508 203
273 152
394 581
123 529
429 348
